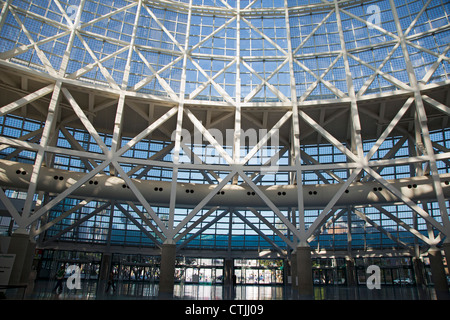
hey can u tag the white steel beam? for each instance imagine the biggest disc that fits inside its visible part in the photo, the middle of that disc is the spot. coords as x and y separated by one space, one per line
139 225
138 194
80 72
389 128
205 227
171 230
383 231
325 214
257 230
84 119
204 201
146 219
405 199
404 225
378 71
291 244
319 79
219 88
27 99
238 99
102 69
107 15
79 222
149 78
274 131
354 113
42 210
44 60
4 12
437 105
196 223
413 23
370 80
312 32
161 80
143 134
270 204
324 226
295 139
164 29
310 121
368 23
48 129
62 216
205 132
199 89
435 65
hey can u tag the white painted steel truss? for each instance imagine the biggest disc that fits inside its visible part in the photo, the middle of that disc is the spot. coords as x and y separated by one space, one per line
66 99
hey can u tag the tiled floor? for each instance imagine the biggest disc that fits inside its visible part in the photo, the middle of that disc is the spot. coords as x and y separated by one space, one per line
94 290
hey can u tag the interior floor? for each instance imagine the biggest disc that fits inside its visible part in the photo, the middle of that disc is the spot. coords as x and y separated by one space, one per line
96 290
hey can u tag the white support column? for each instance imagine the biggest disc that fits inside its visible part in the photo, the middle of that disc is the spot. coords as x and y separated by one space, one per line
48 129
355 121
167 270
23 248
131 47
422 119
74 26
434 254
238 98
179 127
302 276
295 136
118 120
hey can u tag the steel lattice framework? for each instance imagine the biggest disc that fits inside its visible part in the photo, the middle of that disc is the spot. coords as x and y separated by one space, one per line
364 83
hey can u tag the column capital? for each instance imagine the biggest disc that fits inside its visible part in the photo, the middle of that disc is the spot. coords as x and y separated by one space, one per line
21 231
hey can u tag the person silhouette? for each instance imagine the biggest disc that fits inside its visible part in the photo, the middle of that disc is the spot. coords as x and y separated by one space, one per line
59 277
111 282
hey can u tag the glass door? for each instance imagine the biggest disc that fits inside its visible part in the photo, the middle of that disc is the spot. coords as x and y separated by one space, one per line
205 275
386 276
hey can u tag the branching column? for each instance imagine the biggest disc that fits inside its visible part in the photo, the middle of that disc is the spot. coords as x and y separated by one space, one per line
422 121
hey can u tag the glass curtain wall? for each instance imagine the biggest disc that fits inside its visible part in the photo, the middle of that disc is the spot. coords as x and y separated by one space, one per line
348 84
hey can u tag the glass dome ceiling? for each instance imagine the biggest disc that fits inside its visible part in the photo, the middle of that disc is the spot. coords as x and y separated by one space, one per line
267 54
232 51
